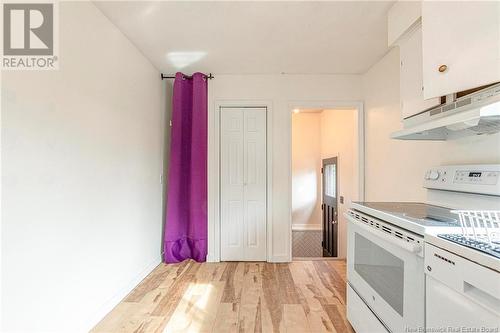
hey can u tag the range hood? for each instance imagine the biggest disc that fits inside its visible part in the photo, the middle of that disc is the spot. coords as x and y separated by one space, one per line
475 114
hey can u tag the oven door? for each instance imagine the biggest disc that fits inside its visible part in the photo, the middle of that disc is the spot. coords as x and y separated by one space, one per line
385 268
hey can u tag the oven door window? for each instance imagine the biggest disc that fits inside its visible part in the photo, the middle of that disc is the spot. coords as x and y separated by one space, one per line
383 271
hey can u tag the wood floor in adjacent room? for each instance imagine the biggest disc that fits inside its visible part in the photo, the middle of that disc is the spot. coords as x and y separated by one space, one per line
302 296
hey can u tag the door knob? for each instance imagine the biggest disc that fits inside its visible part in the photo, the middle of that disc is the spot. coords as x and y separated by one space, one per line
442 68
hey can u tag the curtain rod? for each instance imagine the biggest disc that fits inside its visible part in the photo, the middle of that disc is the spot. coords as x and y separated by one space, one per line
169 76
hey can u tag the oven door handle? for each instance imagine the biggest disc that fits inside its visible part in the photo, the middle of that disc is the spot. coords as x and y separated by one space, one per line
410 247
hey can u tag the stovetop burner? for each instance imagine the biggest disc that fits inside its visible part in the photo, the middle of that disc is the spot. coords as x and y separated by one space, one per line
420 213
491 248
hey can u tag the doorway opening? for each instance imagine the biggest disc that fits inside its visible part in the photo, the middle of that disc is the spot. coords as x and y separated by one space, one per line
327 175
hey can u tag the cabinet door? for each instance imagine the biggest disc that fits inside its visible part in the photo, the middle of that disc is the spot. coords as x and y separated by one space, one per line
464 37
411 85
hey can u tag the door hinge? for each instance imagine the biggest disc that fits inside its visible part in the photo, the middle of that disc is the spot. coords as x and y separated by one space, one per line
322 244
321 170
322 205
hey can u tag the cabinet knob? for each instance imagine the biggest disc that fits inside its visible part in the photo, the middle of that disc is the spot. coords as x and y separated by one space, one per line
442 68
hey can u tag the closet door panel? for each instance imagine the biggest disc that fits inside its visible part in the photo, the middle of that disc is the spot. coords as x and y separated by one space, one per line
255 180
232 189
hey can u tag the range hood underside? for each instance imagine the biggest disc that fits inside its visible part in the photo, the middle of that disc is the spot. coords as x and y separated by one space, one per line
466 123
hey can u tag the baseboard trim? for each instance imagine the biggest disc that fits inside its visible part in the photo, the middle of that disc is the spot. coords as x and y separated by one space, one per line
279 259
317 259
210 258
106 308
306 227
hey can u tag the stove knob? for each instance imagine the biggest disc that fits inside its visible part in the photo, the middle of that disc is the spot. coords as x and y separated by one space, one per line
434 175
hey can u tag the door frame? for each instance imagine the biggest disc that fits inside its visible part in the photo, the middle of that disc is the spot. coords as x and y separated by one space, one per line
331 105
214 222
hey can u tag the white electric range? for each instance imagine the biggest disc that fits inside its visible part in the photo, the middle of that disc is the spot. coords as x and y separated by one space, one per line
387 243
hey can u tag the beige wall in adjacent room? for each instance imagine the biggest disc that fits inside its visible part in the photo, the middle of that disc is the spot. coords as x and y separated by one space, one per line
339 138
317 136
306 170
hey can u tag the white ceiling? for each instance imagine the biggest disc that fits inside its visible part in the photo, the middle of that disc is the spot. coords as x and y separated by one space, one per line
255 37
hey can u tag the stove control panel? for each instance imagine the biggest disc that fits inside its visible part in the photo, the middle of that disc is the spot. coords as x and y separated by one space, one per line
476 177
480 179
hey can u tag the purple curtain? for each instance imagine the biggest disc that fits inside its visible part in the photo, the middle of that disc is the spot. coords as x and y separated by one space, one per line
186 218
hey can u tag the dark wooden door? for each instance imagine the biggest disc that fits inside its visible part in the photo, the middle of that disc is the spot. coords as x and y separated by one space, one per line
329 207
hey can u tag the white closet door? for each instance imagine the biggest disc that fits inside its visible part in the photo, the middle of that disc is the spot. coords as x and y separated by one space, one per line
231 179
243 184
255 180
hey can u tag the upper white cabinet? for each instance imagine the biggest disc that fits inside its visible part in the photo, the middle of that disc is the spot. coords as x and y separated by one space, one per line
411 85
405 31
461 45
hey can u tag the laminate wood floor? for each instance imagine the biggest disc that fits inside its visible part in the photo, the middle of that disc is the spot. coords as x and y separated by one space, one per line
302 296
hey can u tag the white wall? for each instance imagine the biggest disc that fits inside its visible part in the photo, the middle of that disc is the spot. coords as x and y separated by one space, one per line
282 93
81 151
339 137
306 170
394 168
